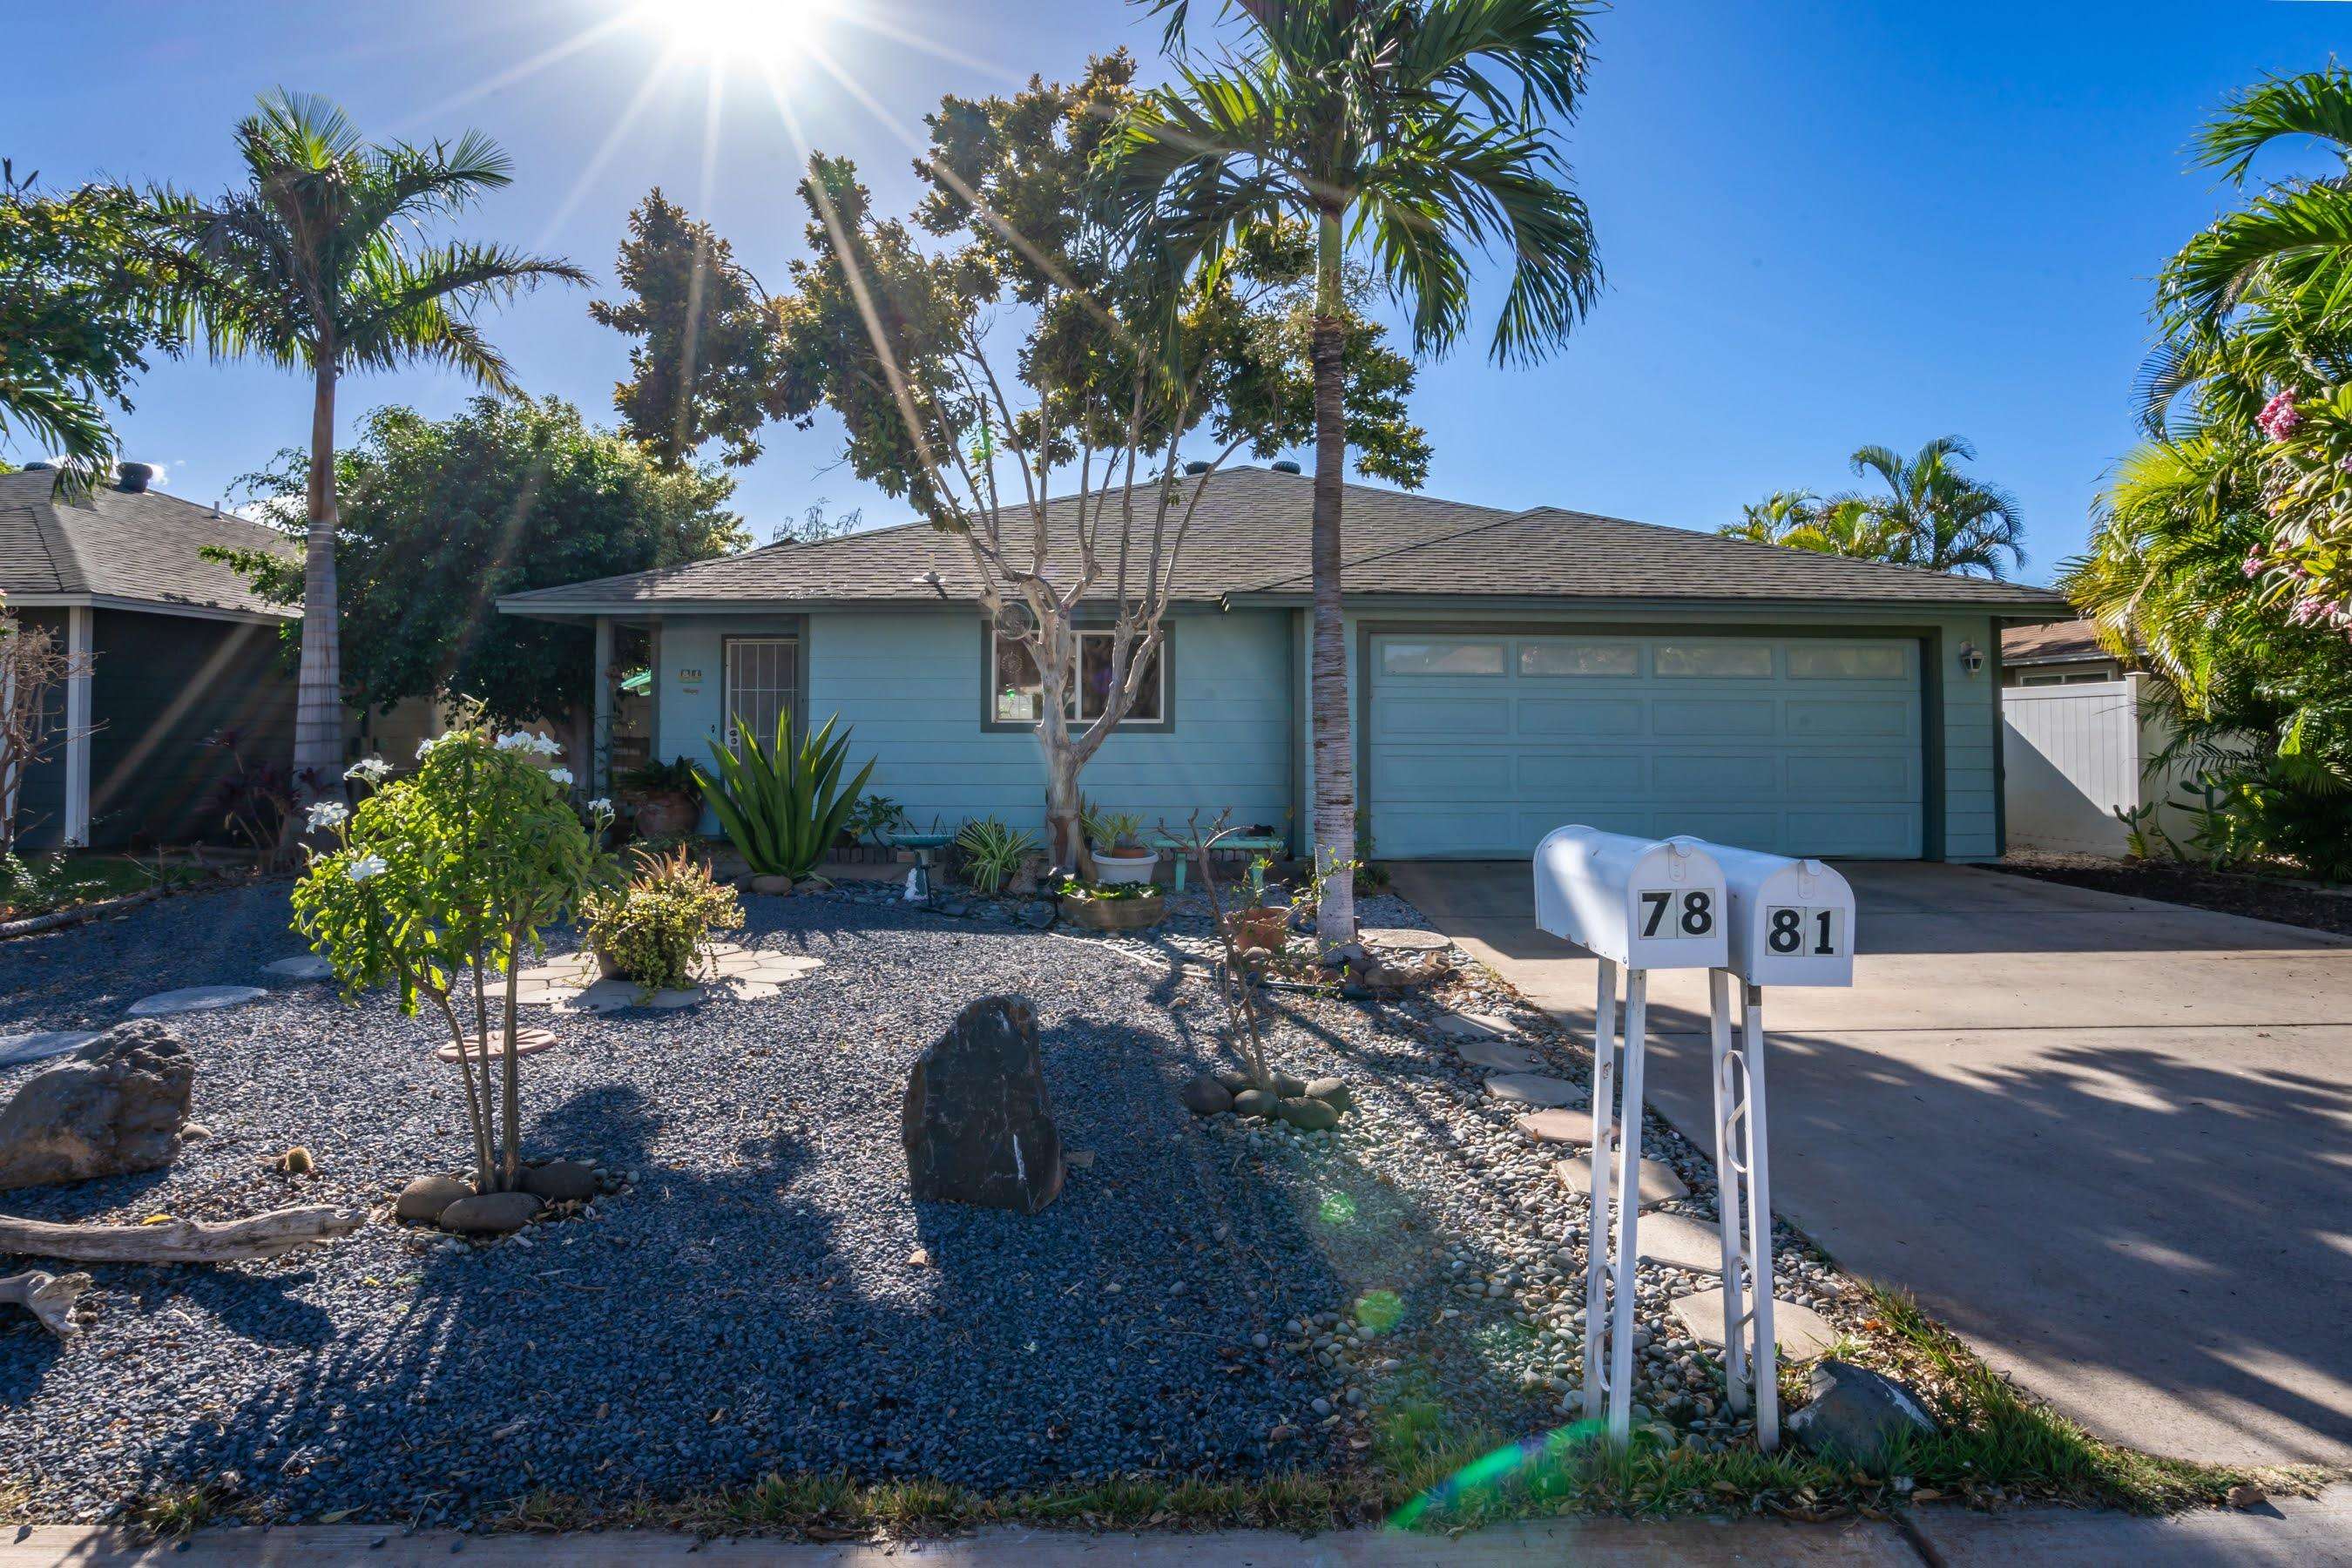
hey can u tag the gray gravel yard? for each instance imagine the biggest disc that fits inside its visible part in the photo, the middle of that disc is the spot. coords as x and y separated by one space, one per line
751 1300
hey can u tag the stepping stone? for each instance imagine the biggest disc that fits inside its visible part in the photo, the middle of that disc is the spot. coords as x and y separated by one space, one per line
1802 1333
1402 939
778 967
195 999
1533 1089
604 997
307 966
1659 1183
1557 1126
528 1042
671 1001
41 1046
744 990
1473 1025
579 970
1496 1056
1678 1241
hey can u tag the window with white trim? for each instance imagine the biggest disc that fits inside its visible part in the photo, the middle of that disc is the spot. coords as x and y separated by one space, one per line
1015 695
762 673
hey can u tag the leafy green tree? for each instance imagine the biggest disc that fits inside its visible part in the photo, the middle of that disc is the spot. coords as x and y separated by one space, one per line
439 884
1842 525
441 517
1417 133
77 282
699 371
312 265
908 330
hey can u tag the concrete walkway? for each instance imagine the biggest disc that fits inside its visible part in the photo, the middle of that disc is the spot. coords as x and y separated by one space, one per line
2291 1530
2108 1141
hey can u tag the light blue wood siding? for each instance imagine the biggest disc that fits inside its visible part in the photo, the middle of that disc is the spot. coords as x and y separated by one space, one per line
909 683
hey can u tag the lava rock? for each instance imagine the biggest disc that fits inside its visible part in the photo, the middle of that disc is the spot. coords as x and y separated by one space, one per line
1205 1096
1331 1092
490 1214
423 1199
116 1106
1287 1085
560 1181
1855 1415
977 1119
1309 1115
1255 1102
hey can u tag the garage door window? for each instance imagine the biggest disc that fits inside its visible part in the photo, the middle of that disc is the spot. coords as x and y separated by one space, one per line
1844 661
1573 658
1441 658
1716 660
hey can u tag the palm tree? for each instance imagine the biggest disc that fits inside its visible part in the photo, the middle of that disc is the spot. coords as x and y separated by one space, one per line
1842 525
1940 518
1415 131
310 265
2292 241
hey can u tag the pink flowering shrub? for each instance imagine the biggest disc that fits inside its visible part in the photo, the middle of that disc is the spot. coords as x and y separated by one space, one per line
2280 418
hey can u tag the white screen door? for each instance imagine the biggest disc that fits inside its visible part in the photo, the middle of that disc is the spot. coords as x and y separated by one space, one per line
761 673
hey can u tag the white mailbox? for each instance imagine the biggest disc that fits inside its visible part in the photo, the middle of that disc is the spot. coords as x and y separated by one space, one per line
1790 922
1641 902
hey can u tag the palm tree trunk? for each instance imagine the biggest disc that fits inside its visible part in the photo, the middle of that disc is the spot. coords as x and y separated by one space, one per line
319 690
1335 754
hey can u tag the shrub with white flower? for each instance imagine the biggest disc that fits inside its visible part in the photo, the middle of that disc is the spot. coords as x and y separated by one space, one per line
440 884
369 770
328 814
560 776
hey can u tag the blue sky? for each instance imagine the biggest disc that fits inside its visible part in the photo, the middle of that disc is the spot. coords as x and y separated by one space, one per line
1824 223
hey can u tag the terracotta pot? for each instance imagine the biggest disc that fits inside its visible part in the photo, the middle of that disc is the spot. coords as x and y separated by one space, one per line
666 812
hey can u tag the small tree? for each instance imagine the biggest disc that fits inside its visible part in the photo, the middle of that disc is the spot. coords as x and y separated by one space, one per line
32 667
439 883
1042 346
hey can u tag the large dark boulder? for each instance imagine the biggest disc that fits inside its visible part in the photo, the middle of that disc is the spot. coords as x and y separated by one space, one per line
114 1107
1856 1417
978 1122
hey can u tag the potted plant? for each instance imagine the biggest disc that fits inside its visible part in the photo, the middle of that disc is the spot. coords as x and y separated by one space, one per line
665 798
997 858
1119 859
656 930
1125 906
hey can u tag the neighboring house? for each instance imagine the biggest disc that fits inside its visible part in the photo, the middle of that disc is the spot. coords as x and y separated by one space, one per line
2078 745
180 650
1513 671
2063 653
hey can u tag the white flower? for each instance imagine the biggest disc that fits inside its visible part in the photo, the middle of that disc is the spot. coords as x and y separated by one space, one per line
366 867
600 807
524 741
371 769
559 776
425 746
329 813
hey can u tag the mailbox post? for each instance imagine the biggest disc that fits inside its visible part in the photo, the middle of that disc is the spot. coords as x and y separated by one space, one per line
1789 923
1637 905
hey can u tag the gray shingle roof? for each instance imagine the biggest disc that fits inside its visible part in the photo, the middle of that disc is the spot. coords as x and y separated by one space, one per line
2059 643
141 548
1549 552
1250 536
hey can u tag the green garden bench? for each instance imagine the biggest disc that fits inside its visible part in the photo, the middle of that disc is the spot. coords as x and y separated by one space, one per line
1238 844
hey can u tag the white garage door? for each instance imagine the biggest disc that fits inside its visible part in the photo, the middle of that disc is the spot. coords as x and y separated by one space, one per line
1480 745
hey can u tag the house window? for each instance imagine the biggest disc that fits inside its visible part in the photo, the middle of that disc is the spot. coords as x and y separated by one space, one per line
1015 695
762 675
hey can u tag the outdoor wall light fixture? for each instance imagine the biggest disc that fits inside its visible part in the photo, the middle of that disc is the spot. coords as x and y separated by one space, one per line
1971 657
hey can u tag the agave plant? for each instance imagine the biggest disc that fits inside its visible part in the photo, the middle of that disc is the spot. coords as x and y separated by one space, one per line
783 807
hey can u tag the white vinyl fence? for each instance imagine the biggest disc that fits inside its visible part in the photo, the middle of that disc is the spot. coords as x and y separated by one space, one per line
2074 753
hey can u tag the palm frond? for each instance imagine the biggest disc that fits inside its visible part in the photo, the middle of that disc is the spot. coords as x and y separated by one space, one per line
2315 103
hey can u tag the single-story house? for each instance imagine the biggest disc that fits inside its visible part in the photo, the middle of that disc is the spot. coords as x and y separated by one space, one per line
180 650
1512 671
2063 653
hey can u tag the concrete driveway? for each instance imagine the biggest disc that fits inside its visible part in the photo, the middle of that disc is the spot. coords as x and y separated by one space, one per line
2108 1141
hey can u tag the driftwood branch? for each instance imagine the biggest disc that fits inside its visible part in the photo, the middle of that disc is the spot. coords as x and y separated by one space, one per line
49 1297
179 1240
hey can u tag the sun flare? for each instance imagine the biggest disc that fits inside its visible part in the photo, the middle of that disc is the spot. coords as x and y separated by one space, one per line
754 33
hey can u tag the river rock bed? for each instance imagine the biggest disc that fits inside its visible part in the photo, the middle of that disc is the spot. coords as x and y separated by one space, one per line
1206 1296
